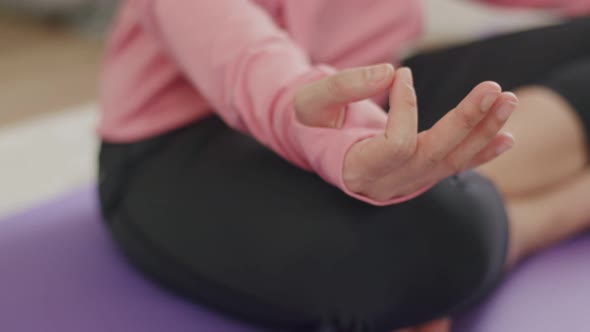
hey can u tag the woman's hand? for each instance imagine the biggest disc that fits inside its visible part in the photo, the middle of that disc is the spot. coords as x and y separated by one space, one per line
401 161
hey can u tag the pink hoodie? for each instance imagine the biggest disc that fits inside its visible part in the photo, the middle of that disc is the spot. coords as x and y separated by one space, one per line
172 62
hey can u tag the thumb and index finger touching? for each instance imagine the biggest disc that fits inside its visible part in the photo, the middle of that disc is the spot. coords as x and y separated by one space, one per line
323 103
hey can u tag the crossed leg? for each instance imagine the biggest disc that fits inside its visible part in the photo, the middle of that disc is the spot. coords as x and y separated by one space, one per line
545 178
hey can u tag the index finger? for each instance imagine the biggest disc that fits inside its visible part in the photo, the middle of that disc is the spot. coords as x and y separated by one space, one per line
402 120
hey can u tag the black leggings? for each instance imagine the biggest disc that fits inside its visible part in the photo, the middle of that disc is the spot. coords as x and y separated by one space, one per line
215 216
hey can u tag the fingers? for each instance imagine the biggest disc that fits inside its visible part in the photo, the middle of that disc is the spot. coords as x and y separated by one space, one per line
384 152
456 125
398 143
482 135
496 147
321 103
402 120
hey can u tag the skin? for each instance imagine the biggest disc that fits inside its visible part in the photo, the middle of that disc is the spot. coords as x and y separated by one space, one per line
401 161
556 156
545 179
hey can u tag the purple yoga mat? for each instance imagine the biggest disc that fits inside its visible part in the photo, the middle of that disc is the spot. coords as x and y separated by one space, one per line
550 292
60 272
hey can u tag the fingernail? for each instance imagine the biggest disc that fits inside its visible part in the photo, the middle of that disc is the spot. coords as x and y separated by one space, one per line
488 101
505 111
503 148
379 73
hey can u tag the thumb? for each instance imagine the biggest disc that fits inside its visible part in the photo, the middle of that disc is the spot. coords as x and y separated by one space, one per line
323 103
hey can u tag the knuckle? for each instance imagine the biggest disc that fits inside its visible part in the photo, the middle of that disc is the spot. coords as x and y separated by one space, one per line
490 129
336 86
410 100
432 158
455 164
467 120
402 148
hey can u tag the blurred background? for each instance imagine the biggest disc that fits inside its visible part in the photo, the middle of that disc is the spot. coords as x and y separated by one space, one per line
50 52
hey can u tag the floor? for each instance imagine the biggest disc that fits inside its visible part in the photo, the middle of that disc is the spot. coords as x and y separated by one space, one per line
48 95
47 113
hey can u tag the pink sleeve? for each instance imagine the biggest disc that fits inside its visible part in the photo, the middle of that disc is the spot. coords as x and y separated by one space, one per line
248 70
567 7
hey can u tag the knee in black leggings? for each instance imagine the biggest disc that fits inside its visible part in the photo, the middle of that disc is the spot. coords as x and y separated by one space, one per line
392 273
460 237
445 254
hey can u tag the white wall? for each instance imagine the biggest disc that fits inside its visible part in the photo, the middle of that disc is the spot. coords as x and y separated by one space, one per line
451 21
